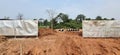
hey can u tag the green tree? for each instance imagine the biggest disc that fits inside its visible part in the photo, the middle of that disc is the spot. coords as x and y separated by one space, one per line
40 22
105 19
63 16
80 17
54 22
98 18
45 22
34 19
112 18
88 19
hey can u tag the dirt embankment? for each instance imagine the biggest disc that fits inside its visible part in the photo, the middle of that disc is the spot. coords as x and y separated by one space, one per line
45 32
2 38
61 43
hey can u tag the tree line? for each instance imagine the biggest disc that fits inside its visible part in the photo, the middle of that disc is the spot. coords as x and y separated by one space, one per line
63 21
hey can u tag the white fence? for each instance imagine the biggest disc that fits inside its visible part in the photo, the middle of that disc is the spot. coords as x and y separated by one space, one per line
101 28
19 27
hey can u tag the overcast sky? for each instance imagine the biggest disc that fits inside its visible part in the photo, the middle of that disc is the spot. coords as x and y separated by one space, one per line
37 8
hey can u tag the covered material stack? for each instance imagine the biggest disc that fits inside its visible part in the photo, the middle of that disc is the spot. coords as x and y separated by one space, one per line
19 27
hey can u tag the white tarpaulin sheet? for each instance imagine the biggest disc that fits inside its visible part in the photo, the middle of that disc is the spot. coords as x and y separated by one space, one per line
101 28
18 27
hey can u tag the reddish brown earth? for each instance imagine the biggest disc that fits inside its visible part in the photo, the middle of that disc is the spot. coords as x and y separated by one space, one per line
60 43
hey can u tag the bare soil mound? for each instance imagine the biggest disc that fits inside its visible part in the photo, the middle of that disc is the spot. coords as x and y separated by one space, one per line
73 33
65 43
45 32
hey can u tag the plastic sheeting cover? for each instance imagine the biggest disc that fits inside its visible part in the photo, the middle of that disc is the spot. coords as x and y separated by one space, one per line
101 28
19 27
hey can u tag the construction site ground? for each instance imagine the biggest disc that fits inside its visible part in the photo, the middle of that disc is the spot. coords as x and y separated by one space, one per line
54 42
